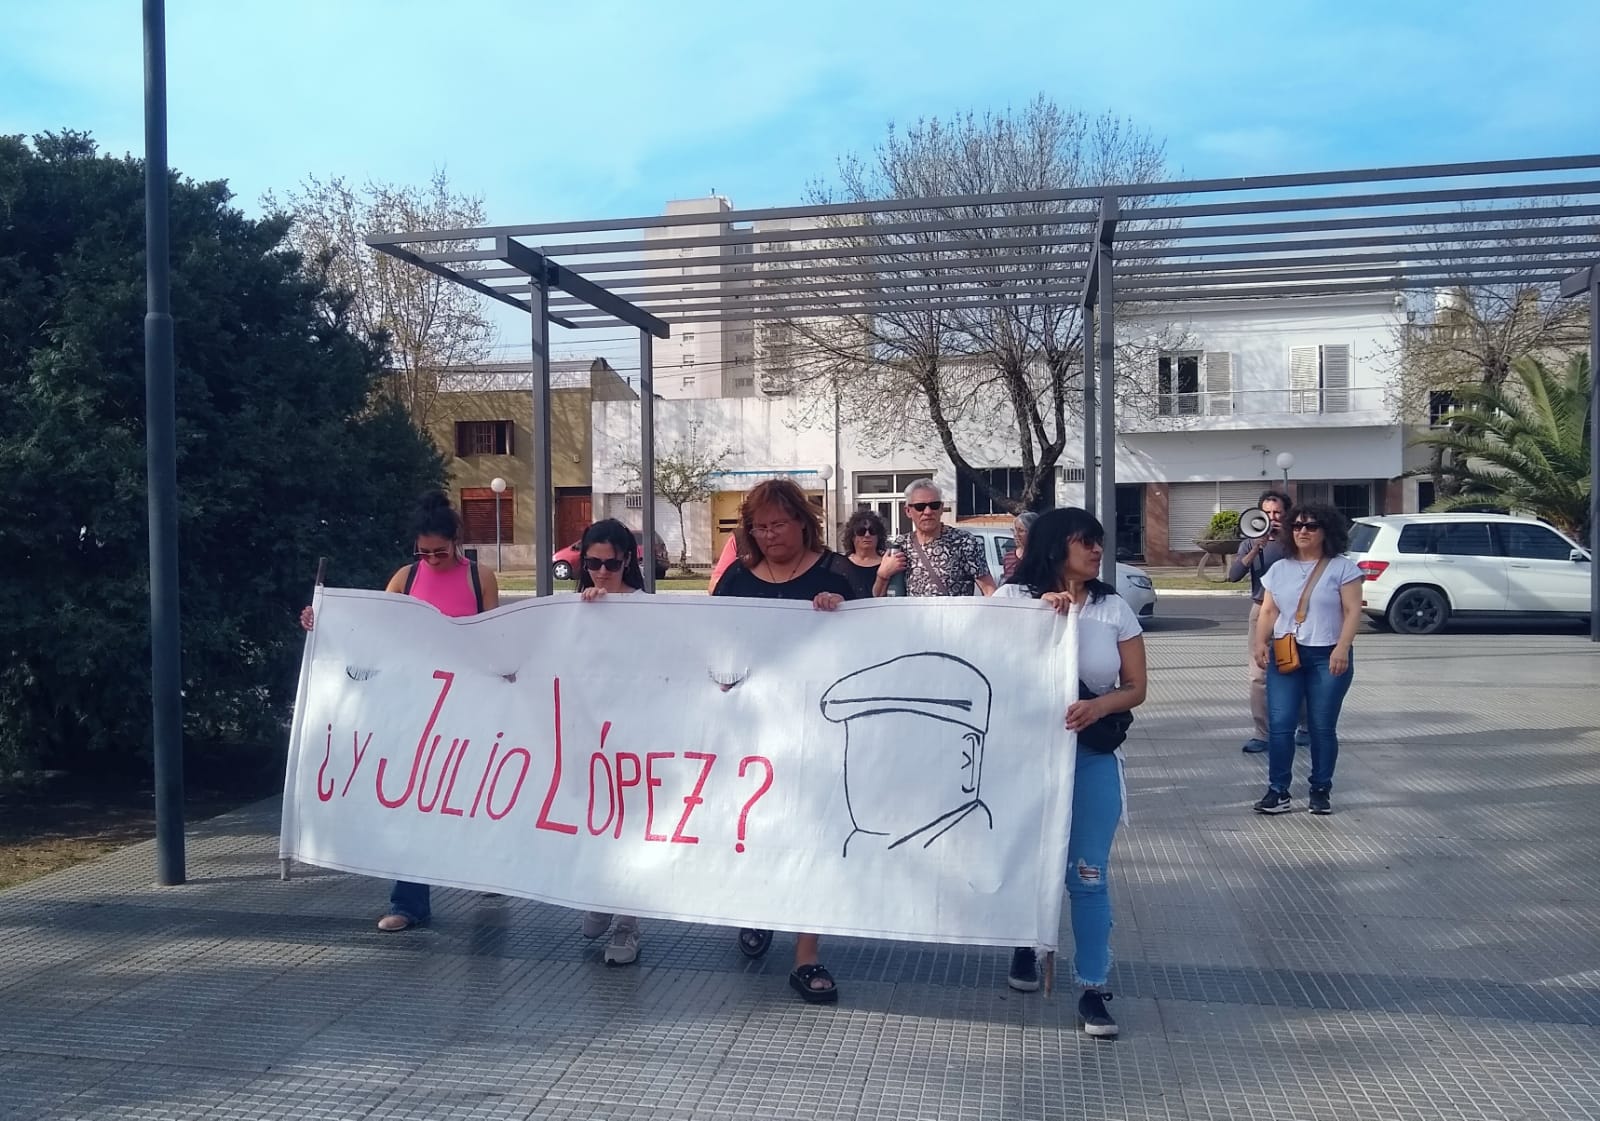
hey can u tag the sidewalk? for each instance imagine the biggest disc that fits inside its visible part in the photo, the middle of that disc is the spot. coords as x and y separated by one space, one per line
1430 951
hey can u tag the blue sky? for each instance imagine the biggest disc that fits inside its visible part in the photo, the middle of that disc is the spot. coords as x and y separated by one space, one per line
600 109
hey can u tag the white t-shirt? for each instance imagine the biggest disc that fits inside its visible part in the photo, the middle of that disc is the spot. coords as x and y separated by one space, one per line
1324 613
1101 626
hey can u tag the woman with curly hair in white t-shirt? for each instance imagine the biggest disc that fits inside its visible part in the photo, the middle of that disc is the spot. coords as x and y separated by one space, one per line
1061 566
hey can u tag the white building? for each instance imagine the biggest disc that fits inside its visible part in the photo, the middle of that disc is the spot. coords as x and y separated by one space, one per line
1252 379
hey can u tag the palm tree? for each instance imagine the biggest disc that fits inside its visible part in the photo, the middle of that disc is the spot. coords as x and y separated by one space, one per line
1523 444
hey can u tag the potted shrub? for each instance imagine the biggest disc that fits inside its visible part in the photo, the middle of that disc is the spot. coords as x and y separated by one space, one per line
1221 538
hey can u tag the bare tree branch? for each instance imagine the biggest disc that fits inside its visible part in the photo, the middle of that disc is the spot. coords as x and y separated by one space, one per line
429 324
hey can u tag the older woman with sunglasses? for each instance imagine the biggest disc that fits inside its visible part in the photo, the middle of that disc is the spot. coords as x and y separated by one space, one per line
865 536
608 565
786 559
1318 537
441 575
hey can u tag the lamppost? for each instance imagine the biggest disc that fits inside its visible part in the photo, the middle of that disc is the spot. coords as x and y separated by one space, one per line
825 473
498 485
1285 461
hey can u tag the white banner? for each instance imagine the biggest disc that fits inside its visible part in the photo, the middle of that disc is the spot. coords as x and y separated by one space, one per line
897 768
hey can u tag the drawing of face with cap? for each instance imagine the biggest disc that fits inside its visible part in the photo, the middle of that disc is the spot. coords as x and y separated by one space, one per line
913 759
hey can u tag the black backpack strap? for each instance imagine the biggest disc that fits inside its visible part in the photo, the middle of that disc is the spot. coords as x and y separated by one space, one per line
411 577
477 585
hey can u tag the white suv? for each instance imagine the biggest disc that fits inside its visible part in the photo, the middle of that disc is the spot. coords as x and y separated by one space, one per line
1423 569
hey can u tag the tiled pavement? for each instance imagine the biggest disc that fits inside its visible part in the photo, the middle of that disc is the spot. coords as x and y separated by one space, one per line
1430 951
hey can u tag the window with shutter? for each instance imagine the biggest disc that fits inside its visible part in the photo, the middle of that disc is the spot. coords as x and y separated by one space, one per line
1336 378
1219 383
1178 385
484 437
1305 378
479 507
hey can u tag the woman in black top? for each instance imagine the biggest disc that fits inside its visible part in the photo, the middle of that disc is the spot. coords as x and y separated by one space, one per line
865 537
786 560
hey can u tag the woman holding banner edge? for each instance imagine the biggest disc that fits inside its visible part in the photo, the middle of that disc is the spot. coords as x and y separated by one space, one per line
608 564
1061 566
786 559
444 577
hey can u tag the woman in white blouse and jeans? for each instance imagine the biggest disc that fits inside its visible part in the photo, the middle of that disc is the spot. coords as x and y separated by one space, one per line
1318 535
1061 566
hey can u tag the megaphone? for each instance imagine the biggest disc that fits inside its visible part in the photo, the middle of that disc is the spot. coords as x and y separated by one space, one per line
1254 523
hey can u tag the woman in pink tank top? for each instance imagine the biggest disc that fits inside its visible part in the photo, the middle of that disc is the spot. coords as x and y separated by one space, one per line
443 576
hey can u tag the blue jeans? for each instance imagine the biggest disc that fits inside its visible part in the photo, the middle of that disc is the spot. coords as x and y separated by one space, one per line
1096 813
1314 687
411 901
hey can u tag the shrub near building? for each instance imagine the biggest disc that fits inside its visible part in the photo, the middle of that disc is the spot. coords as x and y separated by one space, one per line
281 458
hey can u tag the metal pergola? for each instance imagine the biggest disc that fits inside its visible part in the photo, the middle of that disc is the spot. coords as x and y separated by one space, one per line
1499 223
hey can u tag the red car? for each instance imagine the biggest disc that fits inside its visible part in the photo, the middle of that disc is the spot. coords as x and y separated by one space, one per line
564 565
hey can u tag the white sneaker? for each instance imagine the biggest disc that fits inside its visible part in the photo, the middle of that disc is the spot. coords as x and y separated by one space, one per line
623 949
595 923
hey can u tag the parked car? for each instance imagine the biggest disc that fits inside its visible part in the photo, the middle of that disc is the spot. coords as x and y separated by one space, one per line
1133 585
564 564
1425 569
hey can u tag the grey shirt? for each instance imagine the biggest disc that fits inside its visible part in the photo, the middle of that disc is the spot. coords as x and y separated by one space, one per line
1271 553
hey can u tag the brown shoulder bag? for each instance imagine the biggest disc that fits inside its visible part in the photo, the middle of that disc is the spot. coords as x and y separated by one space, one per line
1285 649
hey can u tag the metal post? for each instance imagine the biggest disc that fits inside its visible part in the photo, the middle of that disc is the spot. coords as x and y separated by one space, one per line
543 494
498 567
1106 254
1091 454
1594 452
647 454
161 462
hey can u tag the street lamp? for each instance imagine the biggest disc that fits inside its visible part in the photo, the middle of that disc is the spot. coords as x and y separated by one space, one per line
825 472
498 485
1285 461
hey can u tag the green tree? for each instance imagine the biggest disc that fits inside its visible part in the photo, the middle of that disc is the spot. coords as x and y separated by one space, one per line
282 458
1523 444
684 474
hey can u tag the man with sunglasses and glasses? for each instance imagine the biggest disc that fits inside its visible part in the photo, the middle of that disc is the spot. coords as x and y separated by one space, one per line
937 559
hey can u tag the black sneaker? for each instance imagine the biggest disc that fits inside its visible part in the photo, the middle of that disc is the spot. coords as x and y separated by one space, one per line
1319 803
1092 1014
1024 975
1274 802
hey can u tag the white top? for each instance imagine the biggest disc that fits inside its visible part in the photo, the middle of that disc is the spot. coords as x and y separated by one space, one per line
1101 626
1325 613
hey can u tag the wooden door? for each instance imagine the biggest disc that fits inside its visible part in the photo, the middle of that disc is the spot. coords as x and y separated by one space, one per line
724 517
574 512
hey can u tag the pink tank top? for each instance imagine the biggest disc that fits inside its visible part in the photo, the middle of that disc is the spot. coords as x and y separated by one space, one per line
449 589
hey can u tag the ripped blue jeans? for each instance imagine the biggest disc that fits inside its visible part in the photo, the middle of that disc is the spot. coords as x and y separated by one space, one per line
1096 813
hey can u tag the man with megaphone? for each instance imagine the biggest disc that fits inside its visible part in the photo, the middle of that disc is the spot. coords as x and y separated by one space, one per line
1262 547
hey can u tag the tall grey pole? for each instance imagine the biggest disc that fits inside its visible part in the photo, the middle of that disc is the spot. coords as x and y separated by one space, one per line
161 462
647 454
1108 363
498 567
1594 452
543 493
1091 457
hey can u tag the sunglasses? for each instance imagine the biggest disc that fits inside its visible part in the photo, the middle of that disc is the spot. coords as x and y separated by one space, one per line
610 564
431 554
866 533
1309 527
921 506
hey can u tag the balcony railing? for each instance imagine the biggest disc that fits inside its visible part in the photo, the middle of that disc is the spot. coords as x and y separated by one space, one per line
1264 403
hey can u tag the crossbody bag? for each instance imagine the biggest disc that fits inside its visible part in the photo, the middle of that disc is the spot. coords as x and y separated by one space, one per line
921 559
1286 648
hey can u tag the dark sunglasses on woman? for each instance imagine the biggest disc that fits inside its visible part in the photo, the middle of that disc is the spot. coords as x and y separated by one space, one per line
610 564
1309 527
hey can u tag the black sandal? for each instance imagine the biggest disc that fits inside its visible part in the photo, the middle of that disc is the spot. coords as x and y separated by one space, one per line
800 981
754 943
